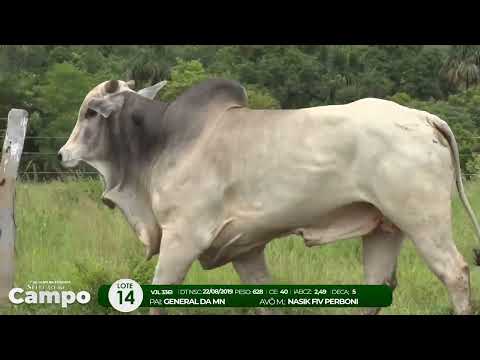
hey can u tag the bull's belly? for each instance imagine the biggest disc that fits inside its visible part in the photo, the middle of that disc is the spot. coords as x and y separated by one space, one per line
345 222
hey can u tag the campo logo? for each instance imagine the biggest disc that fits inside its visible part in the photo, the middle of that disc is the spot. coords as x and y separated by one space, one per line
65 298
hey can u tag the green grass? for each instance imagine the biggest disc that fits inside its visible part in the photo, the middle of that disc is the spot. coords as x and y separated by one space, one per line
66 233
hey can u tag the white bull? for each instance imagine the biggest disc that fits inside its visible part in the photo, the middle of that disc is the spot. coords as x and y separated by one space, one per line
206 178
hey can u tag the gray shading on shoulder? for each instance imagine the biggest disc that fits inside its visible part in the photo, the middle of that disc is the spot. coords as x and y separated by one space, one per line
188 115
145 127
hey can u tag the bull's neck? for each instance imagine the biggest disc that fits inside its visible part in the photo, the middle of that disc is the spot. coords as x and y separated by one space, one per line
121 181
133 175
168 132
128 190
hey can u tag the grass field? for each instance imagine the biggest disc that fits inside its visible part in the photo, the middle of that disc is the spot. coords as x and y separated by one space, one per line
66 233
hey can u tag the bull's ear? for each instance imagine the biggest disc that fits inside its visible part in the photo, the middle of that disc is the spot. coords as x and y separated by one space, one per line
151 92
107 105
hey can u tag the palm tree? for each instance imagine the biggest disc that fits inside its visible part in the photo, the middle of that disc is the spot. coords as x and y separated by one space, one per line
462 66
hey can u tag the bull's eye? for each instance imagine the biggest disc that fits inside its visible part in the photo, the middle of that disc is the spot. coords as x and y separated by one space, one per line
90 113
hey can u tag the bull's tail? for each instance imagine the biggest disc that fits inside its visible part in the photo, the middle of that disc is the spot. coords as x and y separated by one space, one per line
443 127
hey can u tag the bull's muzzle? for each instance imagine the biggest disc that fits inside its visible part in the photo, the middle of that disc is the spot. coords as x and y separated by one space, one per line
66 159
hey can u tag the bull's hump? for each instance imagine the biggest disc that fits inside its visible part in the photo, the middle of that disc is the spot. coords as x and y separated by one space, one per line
219 91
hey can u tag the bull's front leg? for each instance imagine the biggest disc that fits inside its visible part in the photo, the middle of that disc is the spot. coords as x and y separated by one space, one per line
252 269
178 251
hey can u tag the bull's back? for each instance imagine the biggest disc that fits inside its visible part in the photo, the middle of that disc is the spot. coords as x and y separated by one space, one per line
310 160
282 166
323 141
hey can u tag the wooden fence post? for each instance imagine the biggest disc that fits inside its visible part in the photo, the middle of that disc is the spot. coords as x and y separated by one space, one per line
11 154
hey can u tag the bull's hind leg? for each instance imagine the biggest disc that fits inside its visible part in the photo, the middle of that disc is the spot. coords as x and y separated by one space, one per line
436 245
252 269
380 252
427 220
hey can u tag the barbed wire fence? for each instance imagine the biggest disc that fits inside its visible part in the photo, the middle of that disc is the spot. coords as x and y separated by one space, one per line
30 172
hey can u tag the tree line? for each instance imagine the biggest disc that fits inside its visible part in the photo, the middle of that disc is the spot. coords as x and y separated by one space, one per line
51 81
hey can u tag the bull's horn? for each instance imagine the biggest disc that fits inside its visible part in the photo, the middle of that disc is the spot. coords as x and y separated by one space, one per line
151 92
111 86
131 84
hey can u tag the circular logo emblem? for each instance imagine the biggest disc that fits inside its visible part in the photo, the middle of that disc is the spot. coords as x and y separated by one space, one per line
125 295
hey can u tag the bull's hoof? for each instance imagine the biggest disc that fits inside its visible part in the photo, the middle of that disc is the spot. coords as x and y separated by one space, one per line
157 311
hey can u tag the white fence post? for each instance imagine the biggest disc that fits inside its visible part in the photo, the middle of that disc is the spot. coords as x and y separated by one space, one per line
11 154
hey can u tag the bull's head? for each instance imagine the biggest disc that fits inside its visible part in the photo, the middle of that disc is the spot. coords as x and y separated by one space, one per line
85 142
110 143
